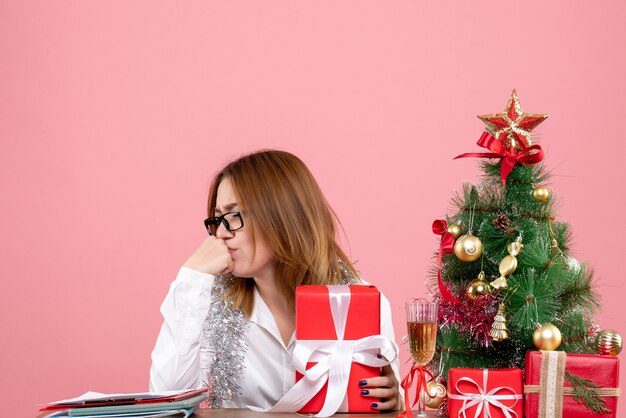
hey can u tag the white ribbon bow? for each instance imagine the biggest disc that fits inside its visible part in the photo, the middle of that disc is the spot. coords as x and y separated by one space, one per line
483 399
334 361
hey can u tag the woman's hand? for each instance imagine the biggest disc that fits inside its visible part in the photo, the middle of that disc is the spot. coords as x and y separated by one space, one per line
211 257
384 387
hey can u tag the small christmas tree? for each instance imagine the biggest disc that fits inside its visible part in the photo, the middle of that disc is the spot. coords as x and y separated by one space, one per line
504 272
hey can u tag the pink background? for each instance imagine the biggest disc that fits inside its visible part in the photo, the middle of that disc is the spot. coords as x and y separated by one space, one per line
114 115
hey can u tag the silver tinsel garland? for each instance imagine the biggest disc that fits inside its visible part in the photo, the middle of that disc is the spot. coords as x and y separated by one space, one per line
223 345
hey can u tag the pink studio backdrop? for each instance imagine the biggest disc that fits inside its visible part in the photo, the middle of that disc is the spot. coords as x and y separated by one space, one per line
114 115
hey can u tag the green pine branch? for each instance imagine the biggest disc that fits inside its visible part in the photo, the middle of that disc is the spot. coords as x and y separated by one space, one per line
563 235
585 392
536 253
535 301
521 174
575 338
578 290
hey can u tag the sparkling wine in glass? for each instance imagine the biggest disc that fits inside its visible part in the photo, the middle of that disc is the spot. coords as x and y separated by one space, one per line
422 341
421 317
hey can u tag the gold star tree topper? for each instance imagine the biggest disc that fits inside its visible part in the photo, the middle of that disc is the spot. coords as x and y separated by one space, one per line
512 127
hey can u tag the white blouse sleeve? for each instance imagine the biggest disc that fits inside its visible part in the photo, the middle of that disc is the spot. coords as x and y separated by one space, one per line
386 330
176 355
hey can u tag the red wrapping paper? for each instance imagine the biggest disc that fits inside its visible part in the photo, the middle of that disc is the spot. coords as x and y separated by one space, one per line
314 321
601 370
508 380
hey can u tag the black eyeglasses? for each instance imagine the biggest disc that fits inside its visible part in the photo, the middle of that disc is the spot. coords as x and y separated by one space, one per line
232 221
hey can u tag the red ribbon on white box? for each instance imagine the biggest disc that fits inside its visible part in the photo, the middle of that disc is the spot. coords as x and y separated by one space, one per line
484 399
334 360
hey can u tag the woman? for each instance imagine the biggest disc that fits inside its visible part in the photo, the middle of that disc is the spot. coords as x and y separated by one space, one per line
229 315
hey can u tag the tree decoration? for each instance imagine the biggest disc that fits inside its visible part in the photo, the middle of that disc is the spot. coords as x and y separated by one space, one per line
516 247
547 337
501 223
468 247
455 230
513 126
609 342
478 287
508 137
439 394
555 250
446 246
499 331
541 193
508 265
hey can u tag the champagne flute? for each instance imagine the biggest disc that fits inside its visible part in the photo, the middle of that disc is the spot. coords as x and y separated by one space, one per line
421 317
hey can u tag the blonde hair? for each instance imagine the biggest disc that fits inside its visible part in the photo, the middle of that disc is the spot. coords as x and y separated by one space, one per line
283 203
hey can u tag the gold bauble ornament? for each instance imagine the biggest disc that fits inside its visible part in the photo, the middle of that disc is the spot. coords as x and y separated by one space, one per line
609 342
541 193
468 248
508 265
438 390
478 287
547 337
455 230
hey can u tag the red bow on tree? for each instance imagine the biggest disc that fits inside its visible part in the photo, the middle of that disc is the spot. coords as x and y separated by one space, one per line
527 155
508 137
440 227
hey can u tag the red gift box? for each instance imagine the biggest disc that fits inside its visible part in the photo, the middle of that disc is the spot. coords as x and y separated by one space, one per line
491 393
544 367
314 321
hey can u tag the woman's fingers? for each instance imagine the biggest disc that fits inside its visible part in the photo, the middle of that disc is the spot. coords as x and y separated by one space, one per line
211 257
229 265
378 393
389 405
383 387
378 382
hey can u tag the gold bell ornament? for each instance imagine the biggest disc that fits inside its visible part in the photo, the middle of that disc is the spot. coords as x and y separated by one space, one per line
478 287
508 265
438 391
609 342
541 193
499 331
547 337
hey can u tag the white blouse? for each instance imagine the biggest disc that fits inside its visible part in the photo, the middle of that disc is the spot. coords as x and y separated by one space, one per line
268 372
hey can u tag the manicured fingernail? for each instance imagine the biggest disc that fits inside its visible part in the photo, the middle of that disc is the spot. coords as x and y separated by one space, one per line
362 382
374 405
365 392
379 355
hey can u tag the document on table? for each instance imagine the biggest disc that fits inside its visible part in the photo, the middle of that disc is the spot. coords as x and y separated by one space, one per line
180 413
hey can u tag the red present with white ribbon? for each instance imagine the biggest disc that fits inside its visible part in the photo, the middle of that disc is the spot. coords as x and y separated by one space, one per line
487 393
337 344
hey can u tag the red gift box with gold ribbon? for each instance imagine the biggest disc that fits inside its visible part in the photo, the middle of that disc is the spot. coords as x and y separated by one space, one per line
549 391
493 393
